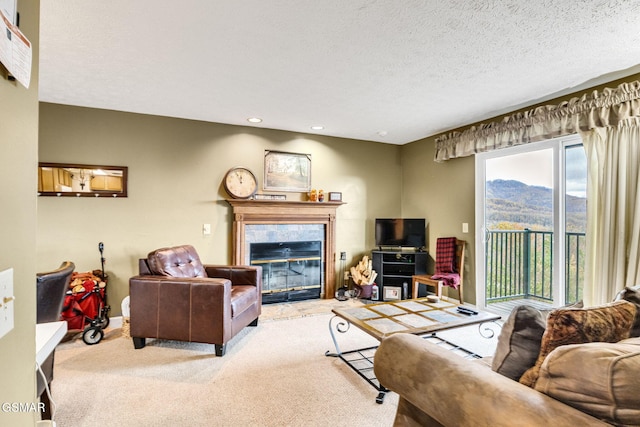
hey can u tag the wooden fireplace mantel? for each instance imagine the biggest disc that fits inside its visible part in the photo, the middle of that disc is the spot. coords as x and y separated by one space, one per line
288 212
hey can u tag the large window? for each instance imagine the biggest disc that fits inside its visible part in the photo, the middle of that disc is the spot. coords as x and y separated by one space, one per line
531 212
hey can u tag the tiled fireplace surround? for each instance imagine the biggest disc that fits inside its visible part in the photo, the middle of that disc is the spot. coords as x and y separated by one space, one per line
274 233
258 221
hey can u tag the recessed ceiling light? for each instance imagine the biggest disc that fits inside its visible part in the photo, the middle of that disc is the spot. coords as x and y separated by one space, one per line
254 120
317 127
382 133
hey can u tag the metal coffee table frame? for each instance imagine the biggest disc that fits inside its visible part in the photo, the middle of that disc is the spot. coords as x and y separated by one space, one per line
361 360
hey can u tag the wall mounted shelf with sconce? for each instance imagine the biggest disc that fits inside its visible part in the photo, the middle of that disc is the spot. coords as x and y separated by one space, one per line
74 180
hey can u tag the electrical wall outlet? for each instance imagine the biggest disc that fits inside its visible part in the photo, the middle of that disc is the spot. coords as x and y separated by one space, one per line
6 301
465 227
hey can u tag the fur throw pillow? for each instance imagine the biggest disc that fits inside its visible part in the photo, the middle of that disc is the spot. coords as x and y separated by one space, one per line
607 323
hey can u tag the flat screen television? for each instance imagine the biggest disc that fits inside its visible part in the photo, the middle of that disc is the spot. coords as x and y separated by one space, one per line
400 232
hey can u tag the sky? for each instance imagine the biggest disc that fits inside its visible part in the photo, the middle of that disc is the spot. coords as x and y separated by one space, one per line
536 168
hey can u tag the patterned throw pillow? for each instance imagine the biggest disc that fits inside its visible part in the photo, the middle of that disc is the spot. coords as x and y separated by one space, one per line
632 295
607 323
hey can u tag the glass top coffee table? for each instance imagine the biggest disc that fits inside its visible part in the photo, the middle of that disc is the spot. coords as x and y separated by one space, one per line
414 316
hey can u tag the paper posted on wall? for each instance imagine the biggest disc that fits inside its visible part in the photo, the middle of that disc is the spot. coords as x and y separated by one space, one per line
9 7
15 51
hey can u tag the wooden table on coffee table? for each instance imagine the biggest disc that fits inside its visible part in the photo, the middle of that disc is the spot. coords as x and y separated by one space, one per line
414 316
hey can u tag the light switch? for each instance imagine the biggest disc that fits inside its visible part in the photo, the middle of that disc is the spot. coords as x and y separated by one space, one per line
206 229
6 301
465 227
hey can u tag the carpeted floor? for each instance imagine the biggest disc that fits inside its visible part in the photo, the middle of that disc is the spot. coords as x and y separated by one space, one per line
275 374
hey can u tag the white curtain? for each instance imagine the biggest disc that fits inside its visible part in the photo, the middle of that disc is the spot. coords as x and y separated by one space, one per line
613 210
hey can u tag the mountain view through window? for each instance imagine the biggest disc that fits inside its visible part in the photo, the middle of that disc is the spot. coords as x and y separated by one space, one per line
526 254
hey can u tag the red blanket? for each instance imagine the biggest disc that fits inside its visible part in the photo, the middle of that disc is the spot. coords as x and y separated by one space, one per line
446 268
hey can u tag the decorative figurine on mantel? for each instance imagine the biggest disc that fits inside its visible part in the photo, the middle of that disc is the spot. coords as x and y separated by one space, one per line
313 195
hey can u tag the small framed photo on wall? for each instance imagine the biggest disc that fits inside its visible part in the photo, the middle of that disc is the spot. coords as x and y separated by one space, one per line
335 196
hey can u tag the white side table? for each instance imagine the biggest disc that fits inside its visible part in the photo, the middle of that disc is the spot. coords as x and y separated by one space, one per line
48 336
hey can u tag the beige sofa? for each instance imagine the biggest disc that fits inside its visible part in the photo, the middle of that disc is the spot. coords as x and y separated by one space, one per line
593 382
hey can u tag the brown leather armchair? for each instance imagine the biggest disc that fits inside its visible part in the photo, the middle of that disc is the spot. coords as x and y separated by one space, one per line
176 297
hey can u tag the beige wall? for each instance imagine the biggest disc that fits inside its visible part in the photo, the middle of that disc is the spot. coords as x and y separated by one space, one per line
175 173
444 194
19 142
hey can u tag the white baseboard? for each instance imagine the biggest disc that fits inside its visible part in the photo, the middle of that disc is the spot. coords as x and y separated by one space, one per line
115 322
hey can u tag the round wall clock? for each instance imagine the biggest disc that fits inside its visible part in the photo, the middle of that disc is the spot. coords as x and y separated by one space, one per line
240 183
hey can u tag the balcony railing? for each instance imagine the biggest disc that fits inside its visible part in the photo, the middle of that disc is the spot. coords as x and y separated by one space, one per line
519 264
575 244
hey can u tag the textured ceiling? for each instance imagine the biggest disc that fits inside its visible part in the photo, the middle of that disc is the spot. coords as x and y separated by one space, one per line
387 71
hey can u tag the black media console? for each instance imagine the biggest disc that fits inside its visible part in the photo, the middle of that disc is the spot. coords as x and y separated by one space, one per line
395 269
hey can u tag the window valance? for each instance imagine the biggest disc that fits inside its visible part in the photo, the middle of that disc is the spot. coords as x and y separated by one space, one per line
592 110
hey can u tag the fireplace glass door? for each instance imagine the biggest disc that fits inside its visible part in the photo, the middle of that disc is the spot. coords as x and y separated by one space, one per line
291 271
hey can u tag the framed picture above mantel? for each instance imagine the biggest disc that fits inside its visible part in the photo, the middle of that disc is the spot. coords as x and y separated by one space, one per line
287 171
